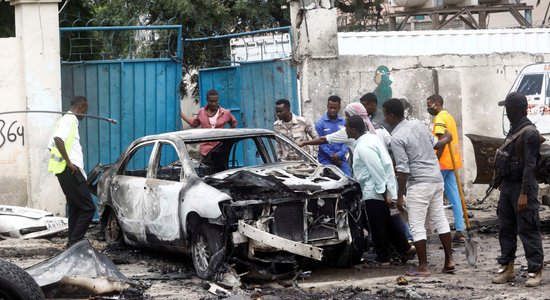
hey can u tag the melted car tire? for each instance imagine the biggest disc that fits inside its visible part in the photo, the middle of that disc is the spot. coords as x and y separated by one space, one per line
16 284
113 232
207 249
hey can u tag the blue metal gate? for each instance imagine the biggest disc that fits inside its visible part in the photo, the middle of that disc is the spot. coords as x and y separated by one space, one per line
251 89
139 91
142 94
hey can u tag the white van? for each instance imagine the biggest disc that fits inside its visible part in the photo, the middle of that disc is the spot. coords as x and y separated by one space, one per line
534 82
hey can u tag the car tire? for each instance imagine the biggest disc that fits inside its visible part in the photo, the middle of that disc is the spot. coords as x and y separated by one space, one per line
112 229
16 284
351 253
207 249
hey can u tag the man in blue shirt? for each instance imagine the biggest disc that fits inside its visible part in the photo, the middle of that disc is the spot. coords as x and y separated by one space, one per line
373 169
332 154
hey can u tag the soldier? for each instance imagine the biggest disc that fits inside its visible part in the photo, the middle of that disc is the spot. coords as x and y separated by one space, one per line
518 208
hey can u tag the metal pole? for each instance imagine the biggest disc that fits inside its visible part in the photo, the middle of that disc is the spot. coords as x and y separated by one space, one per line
59 112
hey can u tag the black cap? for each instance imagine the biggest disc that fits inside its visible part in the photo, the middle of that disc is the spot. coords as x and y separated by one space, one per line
514 99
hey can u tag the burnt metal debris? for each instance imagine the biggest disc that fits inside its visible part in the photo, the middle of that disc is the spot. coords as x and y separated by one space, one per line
80 270
27 223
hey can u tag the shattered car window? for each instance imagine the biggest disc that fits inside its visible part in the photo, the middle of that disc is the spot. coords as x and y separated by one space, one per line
241 152
138 162
169 164
531 84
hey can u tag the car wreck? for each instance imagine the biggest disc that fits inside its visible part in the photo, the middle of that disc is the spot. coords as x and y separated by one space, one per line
239 202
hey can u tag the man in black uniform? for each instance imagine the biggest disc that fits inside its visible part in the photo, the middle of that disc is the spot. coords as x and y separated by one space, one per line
518 207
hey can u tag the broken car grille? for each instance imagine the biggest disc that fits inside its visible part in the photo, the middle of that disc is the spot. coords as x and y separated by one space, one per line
307 221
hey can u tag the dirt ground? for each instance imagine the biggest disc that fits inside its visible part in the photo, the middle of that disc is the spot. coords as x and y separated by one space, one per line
169 276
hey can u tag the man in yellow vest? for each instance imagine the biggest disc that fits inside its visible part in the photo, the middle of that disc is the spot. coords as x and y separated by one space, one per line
444 121
67 163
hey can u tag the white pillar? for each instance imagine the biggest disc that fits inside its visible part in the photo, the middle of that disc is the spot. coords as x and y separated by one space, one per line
37 26
315 29
315 36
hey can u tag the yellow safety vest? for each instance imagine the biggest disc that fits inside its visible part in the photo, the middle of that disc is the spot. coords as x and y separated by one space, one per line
57 164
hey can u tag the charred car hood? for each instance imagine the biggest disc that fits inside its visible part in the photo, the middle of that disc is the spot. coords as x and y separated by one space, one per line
285 177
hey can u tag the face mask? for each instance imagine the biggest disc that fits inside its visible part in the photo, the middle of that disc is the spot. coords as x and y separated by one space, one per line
432 111
514 115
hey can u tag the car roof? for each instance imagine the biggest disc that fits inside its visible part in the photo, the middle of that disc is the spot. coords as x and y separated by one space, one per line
190 135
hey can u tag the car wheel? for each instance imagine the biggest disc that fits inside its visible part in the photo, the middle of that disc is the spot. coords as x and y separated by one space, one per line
350 254
113 232
207 249
16 284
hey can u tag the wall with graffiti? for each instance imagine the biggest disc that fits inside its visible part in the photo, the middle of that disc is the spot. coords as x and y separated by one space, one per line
471 86
30 80
13 144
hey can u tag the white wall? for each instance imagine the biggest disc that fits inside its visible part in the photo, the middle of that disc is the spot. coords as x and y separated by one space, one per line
432 42
471 86
13 151
30 80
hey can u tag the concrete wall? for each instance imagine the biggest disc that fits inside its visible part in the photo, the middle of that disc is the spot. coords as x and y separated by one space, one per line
470 85
30 80
13 148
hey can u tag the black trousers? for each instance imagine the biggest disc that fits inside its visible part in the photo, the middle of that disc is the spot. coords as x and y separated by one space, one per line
385 231
81 205
525 223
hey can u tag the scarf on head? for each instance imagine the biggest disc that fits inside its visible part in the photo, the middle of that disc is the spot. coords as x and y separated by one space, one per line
357 109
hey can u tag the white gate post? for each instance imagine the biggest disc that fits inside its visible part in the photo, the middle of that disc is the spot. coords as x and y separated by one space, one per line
37 26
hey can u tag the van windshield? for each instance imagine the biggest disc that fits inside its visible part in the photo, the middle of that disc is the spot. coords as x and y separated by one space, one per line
531 84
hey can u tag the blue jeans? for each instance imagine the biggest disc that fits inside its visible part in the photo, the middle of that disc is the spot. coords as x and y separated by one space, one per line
451 191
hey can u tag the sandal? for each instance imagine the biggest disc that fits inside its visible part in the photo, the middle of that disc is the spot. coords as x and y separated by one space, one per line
458 237
447 270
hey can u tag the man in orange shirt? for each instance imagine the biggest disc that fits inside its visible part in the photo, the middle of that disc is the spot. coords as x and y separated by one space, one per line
444 121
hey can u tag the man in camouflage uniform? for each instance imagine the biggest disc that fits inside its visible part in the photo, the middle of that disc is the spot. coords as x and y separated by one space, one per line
295 128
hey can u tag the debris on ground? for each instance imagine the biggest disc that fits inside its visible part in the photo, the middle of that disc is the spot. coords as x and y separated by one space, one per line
217 290
401 280
407 293
80 267
28 223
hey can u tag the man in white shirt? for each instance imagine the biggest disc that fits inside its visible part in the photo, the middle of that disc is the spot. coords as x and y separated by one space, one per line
67 163
373 169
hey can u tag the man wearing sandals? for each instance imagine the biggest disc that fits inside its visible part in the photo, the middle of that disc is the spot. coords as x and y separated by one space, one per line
417 170
518 207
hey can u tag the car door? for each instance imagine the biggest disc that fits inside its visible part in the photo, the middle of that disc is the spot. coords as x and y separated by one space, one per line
161 207
129 191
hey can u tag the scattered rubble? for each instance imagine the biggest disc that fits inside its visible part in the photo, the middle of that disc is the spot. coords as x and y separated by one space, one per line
80 268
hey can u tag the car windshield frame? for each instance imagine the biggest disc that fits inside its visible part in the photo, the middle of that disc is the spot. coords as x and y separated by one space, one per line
222 156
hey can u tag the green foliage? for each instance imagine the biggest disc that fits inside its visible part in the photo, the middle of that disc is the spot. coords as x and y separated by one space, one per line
197 17
7 20
361 15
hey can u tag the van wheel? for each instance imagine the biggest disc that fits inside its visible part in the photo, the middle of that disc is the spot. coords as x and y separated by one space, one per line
207 249
112 230
16 284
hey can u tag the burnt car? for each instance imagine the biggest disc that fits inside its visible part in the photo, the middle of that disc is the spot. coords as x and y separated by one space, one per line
239 201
